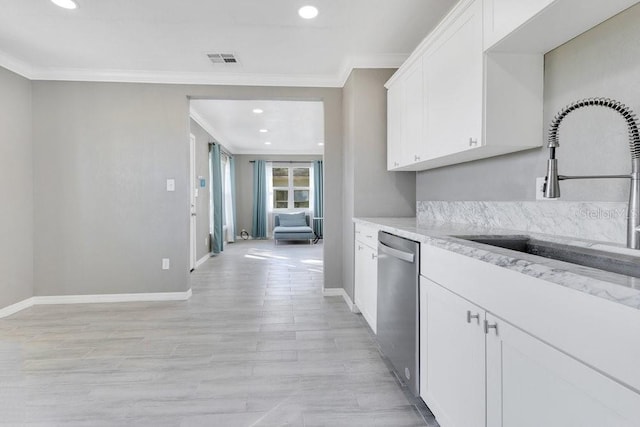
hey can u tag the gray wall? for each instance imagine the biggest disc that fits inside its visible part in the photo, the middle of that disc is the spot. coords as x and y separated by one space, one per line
203 216
16 189
102 154
369 190
604 61
244 184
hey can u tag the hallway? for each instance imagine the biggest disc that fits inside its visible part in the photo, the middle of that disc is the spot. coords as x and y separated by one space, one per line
256 345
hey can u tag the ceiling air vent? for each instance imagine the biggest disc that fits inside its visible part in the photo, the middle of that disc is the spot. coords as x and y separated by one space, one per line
222 58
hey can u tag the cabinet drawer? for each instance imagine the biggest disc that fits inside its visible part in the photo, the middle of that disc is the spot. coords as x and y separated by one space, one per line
367 235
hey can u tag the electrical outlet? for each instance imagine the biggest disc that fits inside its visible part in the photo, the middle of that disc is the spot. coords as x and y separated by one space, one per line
206 241
171 184
165 263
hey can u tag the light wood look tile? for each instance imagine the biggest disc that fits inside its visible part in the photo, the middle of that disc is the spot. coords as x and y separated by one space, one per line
256 345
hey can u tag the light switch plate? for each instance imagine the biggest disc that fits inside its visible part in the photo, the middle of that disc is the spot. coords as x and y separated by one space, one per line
171 184
165 263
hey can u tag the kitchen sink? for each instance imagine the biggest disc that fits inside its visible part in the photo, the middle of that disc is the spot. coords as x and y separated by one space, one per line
601 260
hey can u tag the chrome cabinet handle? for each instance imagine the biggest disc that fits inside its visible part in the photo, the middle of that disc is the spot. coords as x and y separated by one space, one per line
416 158
374 256
369 237
488 326
472 142
473 316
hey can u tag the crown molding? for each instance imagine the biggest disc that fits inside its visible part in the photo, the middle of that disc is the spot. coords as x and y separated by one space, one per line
16 65
202 78
392 60
270 152
210 130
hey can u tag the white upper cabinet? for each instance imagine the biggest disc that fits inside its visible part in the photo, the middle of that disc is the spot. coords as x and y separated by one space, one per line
481 88
405 107
538 26
412 113
453 86
502 17
394 126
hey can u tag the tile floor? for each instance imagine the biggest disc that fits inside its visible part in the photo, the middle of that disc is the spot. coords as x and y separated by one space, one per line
257 345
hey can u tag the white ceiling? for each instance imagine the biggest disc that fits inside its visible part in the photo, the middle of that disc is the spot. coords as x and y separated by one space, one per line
167 40
295 127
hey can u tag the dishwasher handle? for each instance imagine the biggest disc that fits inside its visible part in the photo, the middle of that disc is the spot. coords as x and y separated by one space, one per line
396 253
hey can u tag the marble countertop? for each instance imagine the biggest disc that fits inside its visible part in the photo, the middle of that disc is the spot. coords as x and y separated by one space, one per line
618 288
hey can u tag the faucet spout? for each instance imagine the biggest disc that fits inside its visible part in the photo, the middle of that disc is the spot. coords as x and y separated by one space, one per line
552 179
633 213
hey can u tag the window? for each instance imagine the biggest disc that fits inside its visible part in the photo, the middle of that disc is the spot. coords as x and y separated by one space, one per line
291 187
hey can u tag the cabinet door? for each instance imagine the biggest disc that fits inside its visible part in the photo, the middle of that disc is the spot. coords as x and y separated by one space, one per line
413 114
456 359
359 275
371 288
453 86
394 125
366 282
531 384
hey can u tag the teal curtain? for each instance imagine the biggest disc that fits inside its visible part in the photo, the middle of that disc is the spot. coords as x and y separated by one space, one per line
232 166
259 224
318 191
216 197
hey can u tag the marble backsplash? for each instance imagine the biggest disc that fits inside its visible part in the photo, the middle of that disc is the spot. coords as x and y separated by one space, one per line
599 221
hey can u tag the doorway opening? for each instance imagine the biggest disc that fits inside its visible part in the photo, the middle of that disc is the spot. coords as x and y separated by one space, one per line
263 159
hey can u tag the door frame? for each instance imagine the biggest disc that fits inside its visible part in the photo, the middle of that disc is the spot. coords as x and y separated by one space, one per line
193 235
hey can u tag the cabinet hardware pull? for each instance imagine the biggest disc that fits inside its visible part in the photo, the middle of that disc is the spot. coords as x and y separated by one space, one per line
416 158
487 326
472 142
359 247
373 256
473 316
369 237
395 164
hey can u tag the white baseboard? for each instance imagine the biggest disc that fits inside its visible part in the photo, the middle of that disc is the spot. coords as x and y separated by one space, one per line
93 299
340 292
14 308
202 260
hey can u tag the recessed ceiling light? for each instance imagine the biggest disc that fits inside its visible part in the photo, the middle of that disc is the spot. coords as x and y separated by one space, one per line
321 143
258 110
308 12
267 143
67 4
263 131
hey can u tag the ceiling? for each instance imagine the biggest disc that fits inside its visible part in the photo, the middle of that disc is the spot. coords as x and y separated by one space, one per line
168 40
294 127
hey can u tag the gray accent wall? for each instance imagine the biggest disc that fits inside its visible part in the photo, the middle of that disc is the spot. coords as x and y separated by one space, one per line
203 216
603 62
244 184
103 152
16 189
369 189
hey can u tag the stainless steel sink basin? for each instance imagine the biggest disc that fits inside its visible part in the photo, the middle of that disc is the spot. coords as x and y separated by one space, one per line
601 260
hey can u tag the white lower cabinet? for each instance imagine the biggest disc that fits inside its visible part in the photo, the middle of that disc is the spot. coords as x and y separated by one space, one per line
531 384
366 281
481 370
455 380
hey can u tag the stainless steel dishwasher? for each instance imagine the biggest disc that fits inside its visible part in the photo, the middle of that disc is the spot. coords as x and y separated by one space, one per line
398 305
